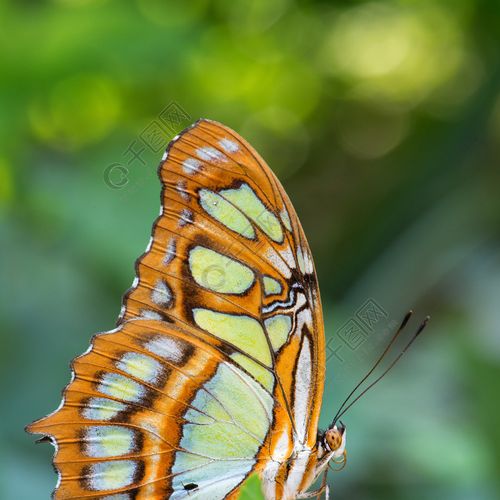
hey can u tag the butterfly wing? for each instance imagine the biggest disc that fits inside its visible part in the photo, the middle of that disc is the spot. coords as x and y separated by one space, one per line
228 264
228 240
150 413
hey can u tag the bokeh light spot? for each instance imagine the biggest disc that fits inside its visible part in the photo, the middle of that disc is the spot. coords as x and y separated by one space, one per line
391 51
79 110
223 73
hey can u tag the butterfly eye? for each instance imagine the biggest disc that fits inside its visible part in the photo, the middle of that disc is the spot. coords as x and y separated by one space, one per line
333 439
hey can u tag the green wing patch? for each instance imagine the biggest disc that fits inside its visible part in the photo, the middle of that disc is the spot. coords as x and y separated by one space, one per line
252 489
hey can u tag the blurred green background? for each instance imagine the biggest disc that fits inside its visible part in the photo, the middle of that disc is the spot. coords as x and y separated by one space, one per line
382 119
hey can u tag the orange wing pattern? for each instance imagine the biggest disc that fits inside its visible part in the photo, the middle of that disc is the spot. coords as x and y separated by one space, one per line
228 274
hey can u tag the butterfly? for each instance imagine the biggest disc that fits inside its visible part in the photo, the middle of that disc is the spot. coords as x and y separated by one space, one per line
216 368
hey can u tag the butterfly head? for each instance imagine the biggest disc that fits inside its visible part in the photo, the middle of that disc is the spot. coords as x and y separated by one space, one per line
334 440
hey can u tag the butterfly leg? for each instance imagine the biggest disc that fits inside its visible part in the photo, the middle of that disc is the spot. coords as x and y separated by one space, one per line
317 493
324 485
342 462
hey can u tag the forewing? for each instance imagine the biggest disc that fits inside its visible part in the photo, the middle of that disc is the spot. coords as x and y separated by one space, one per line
228 249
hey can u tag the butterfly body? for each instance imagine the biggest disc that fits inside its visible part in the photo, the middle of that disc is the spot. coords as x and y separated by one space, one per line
216 368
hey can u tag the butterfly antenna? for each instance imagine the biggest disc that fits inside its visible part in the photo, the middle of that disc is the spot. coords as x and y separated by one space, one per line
390 367
373 368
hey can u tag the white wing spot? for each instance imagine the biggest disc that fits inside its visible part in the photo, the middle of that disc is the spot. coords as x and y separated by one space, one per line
300 260
277 262
309 263
208 153
286 219
103 441
120 387
304 259
167 348
102 409
147 314
161 294
191 166
150 244
302 387
186 217
140 366
288 256
228 145
182 190
170 253
111 475
122 312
